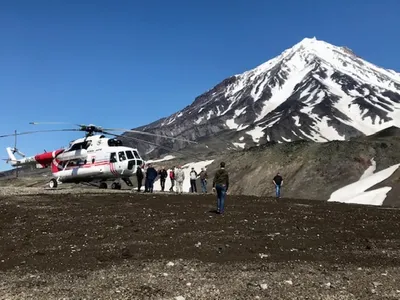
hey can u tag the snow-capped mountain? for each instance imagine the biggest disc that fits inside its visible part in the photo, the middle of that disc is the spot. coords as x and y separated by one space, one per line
314 91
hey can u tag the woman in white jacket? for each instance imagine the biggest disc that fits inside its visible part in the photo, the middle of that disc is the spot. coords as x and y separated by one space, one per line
179 178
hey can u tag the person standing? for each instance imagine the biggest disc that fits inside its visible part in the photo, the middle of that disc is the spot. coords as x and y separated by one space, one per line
179 177
278 181
151 176
221 185
139 177
163 176
146 181
203 180
172 178
193 178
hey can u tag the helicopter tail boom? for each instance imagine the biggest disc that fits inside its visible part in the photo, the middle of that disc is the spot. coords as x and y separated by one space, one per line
42 160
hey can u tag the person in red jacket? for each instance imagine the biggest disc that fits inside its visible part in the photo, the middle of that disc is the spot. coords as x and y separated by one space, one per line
172 178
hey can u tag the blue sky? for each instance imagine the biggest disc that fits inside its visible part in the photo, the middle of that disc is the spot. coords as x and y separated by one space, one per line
128 63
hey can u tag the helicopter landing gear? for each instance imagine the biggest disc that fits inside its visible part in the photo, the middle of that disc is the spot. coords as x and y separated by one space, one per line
53 183
103 185
116 186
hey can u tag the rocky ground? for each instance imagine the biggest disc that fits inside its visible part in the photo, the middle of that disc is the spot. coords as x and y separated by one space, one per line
103 244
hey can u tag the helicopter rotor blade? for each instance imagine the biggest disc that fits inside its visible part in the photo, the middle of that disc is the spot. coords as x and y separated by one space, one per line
94 128
144 141
52 123
150 134
37 131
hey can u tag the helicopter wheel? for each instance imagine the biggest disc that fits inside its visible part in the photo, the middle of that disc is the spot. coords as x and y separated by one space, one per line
103 185
53 183
116 186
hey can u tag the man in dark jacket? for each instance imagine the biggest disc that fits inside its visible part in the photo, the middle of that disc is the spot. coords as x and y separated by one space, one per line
151 176
139 177
278 181
163 176
203 180
221 185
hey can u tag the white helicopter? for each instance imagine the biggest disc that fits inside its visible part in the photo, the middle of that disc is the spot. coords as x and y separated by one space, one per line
87 160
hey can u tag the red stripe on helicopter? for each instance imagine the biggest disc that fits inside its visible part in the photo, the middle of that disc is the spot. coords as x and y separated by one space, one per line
112 169
57 167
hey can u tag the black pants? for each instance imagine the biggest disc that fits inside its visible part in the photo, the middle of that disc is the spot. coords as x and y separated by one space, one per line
139 183
162 182
193 185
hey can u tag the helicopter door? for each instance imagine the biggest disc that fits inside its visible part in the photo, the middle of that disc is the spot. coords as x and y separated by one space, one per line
113 161
122 162
131 159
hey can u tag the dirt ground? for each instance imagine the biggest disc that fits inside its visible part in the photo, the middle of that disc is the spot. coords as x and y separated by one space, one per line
124 245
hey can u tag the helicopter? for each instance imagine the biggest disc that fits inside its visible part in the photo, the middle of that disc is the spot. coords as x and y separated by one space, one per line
93 158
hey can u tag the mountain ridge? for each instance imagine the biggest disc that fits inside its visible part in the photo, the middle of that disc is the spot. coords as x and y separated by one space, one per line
313 90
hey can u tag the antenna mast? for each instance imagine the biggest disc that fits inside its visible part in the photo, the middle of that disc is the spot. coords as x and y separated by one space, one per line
15 149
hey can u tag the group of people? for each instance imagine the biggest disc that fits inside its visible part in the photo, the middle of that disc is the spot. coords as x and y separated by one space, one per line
176 175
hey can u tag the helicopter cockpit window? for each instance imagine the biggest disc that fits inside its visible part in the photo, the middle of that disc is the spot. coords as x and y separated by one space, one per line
129 154
136 154
122 156
113 157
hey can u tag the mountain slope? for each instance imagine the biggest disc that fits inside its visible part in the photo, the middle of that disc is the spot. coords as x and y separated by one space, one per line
313 91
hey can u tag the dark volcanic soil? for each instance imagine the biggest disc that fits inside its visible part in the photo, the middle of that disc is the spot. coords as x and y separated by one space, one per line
117 246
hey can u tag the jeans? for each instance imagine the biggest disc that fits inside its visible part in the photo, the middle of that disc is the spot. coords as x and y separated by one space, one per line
204 185
150 185
221 194
278 190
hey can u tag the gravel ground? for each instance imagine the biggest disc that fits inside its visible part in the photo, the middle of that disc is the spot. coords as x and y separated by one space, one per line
96 244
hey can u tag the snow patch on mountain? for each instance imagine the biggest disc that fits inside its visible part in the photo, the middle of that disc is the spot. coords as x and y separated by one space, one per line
168 157
256 133
282 93
355 192
241 145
